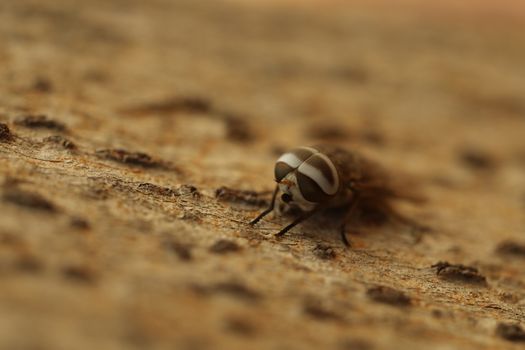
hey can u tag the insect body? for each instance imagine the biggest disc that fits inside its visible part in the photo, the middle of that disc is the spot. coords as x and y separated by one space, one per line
322 177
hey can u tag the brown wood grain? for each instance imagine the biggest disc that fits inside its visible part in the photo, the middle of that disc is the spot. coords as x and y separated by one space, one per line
137 140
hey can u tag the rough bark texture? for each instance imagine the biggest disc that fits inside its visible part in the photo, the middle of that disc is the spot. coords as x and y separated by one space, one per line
137 139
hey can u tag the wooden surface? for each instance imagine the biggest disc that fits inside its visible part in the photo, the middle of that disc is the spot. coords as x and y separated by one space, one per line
133 132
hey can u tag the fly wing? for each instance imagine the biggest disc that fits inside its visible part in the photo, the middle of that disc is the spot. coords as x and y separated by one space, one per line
366 177
376 181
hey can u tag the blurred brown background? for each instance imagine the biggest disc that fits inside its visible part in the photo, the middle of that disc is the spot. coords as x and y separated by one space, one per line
132 133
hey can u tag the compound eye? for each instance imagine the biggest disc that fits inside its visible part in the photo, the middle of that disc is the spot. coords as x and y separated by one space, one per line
291 160
281 170
310 190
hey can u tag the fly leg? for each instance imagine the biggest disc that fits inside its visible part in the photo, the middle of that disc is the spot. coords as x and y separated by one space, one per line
268 210
351 209
304 216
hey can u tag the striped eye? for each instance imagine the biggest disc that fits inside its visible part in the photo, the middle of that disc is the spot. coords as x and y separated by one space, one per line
313 177
317 178
291 160
310 189
281 170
